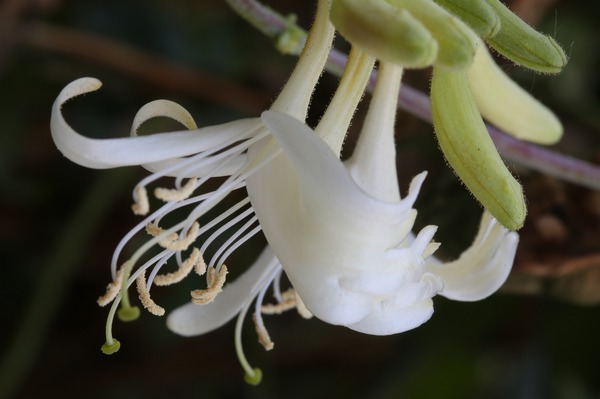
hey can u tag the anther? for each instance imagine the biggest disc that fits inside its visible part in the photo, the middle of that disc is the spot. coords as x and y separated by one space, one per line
141 205
181 245
288 302
112 289
144 296
263 335
215 286
180 194
194 260
154 230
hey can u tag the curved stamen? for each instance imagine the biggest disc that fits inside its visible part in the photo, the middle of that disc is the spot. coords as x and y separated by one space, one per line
234 236
216 279
241 241
166 208
145 298
224 228
177 194
193 261
261 330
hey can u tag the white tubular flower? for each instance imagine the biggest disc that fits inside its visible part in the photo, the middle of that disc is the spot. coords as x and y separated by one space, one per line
343 235
341 232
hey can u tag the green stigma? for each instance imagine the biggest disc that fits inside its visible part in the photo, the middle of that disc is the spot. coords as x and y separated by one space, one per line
128 313
109 349
255 378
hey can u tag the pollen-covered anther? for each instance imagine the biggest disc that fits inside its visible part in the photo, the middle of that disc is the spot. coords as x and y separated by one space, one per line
144 296
155 230
183 244
194 260
215 286
288 302
141 205
176 194
263 335
112 289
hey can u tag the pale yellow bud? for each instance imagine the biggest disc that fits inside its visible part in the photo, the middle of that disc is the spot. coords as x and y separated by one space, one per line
506 105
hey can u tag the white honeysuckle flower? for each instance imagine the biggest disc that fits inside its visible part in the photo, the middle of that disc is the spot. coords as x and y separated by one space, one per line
344 238
340 231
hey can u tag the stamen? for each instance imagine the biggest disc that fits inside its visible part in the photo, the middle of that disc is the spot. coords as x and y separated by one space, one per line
154 230
263 335
141 205
234 242
200 265
277 285
181 245
144 296
180 194
288 302
215 286
112 289
194 260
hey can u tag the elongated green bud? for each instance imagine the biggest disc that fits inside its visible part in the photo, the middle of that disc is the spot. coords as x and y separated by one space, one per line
505 104
476 13
523 45
457 43
470 151
385 32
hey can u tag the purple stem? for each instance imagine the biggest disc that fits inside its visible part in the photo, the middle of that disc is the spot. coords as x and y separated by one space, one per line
417 103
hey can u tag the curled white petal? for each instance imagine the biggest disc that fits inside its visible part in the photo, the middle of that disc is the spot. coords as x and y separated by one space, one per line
483 267
126 151
342 249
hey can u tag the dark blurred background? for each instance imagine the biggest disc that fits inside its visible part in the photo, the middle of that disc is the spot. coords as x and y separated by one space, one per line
59 222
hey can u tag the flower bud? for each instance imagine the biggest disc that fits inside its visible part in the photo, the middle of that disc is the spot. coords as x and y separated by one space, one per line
524 45
477 14
385 32
470 151
506 105
457 42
